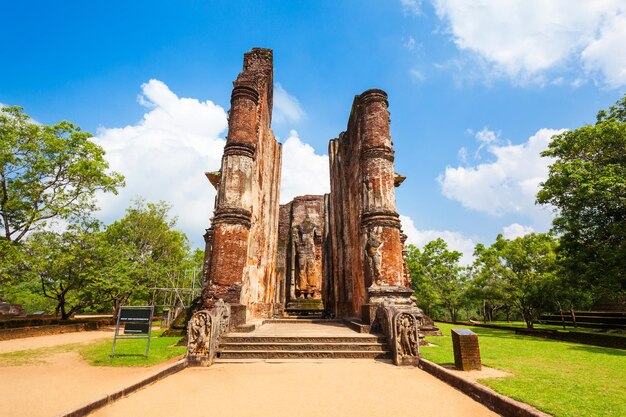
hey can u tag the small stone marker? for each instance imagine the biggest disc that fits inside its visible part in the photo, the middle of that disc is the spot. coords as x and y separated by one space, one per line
466 350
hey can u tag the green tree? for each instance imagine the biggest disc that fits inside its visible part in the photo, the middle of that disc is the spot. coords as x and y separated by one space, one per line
143 250
520 272
587 186
486 285
65 264
438 277
47 172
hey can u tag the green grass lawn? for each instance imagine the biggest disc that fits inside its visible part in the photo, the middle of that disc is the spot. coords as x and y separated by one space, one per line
538 326
131 352
559 378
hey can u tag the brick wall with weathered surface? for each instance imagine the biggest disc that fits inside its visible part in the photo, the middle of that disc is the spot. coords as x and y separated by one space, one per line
284 228
240 261
365 233
301 237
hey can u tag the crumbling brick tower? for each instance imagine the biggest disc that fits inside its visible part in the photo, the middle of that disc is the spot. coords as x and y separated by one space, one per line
366 259
240 256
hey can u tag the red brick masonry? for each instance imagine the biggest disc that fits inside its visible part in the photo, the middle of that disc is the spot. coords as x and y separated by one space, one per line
466 350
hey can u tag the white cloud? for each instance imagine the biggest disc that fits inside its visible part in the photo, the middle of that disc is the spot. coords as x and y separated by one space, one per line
523 39
410 43
508 185
411 7
455 240
516 230
607 53
486 136
164 157
462 155
417 75
286 107
303 171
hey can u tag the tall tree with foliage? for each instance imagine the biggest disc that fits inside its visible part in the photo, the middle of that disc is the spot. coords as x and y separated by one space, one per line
437 276
144 251
66 265
486 286
521 271
587 185
47 172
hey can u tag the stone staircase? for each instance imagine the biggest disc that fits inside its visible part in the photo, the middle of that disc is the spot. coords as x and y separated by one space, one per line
301 339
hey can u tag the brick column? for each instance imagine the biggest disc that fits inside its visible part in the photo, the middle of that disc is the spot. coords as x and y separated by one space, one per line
380 223
232 218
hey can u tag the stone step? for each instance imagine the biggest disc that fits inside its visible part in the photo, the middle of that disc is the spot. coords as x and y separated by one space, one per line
302 354
251 338
301 320
294 360
302 346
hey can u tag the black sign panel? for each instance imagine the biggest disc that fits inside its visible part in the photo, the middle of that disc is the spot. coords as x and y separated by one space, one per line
136 328
135 315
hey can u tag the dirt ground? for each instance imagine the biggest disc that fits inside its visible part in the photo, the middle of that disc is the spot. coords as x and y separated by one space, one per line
63 381
37 342
332 388
60 382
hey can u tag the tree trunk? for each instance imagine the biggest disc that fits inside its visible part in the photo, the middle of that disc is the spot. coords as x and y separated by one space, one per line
484 311
571 310
527 317
561 312
64 314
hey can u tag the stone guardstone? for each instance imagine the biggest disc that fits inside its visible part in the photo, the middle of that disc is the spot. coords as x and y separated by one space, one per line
466 350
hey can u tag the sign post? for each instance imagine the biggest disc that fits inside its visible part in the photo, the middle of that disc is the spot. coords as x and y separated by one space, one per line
137 323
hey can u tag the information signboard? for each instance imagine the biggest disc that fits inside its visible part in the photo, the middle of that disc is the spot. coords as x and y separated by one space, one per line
136 322
135 314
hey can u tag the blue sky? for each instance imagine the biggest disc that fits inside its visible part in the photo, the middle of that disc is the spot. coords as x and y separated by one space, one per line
476 89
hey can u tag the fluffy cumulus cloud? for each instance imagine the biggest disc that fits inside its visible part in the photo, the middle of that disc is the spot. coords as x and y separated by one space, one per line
607 53
516 230
508 184
286 107
523 39
455 240
303 171
164 156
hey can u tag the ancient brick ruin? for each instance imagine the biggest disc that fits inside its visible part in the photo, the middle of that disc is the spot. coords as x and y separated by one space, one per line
240 255
339 254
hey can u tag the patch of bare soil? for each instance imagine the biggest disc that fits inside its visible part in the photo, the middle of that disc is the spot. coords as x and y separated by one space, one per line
326 388
474 376
37 342
60 383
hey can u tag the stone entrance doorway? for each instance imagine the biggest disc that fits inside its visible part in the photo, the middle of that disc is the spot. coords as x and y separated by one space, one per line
300 265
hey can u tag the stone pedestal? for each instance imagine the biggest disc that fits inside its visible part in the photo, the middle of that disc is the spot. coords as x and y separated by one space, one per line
237 315
466 350
305 306
368 313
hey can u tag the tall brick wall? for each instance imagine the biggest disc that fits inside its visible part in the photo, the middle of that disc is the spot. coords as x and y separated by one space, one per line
365 233
240 258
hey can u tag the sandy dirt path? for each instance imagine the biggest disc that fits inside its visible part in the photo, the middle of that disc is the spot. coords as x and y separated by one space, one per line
37 342
332 388
61 384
